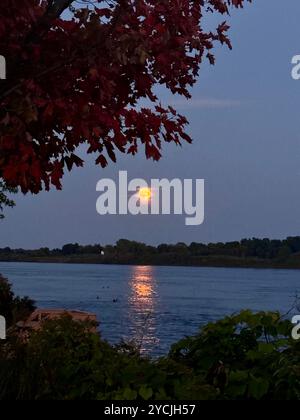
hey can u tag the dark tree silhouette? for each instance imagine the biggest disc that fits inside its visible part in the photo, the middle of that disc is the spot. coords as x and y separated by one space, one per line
79 79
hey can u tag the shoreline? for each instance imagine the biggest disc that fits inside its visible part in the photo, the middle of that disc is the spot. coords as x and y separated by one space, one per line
212 263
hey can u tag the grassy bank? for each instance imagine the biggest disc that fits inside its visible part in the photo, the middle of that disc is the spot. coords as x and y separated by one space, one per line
159 260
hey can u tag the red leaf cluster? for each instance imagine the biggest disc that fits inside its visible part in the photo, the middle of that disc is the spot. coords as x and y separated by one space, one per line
81 79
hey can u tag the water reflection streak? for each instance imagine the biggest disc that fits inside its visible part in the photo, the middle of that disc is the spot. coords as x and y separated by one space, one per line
143 301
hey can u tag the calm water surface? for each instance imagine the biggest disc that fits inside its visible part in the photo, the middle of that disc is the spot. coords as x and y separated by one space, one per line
155 306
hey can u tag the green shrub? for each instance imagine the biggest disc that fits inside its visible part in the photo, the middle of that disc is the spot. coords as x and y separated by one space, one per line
246 356
13 308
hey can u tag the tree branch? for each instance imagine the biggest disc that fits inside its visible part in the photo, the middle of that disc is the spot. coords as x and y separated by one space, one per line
54 10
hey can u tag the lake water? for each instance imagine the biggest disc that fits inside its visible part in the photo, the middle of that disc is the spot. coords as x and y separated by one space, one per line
156 306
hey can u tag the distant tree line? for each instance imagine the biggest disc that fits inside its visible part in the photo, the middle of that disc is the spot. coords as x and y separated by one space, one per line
66 250
125 250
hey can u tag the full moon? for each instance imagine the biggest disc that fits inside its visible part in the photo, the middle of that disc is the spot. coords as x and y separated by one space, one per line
145 194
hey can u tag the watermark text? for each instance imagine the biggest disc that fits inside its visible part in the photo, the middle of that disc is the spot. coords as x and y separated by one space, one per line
296 67
2 67
159 197
2 328
296 329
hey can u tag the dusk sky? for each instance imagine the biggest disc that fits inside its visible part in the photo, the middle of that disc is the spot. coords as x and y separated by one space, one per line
244 120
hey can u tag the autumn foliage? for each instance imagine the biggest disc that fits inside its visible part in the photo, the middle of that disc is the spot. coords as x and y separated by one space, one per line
77 76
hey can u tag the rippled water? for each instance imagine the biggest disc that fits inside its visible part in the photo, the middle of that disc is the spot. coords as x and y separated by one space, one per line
156 306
